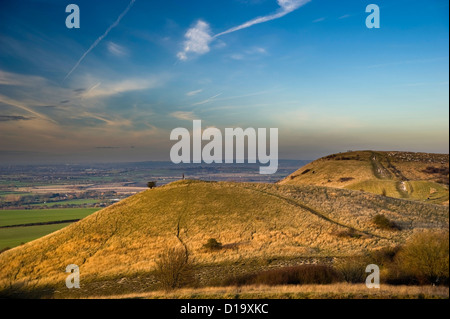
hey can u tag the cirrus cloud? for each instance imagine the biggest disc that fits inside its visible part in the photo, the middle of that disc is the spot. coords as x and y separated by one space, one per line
180 115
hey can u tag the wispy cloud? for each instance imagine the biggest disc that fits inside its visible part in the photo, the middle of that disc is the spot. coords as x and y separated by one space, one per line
8 78
256 51
180 115
117 50
9 118
99 39
199 37
192 93
6 100
345 16
319 20
101 89
237 56
207 100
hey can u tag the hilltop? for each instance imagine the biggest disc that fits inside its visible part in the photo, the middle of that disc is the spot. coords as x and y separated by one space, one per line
260 225
415 176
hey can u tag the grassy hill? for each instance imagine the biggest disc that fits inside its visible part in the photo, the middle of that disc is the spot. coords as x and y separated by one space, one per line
259 225
416 176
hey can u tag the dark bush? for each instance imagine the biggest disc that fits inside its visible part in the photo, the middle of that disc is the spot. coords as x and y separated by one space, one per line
352 269
297 275
348 233
383 222
213 244
384 256
437 170
151 185
239 280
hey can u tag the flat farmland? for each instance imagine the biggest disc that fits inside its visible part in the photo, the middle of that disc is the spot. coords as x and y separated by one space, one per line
15 236
68 202
21 217
15 227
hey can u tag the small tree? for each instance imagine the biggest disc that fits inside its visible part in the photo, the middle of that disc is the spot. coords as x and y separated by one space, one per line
151 184
174 269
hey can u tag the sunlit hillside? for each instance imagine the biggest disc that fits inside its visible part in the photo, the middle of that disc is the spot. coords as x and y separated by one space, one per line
415 176
258 224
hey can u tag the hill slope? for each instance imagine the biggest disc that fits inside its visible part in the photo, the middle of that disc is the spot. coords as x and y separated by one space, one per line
255 222
415 176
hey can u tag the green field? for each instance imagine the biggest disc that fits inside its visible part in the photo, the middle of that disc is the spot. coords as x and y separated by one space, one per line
19 217
11 237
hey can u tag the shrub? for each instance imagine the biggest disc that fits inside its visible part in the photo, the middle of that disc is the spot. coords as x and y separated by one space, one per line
151 185
346 179
174 269
425 259
239 280
213 244
353 269
296 275
300 275
383 222
384 256
348 233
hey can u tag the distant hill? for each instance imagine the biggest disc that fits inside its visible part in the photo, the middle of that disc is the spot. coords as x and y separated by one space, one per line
257 224
414 176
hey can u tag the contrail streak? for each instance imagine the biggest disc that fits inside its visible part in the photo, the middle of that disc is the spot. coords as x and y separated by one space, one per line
253 22
112 26
287 6
199 37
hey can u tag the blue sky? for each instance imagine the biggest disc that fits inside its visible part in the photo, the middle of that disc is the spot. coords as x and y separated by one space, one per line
310 68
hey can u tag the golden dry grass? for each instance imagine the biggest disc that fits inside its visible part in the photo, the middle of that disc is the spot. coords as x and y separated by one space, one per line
396 174
255 221
336 291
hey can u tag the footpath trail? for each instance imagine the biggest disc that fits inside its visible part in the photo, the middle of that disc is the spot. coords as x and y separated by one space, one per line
390 173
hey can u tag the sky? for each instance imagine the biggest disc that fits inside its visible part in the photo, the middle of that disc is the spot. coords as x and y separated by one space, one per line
114 89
